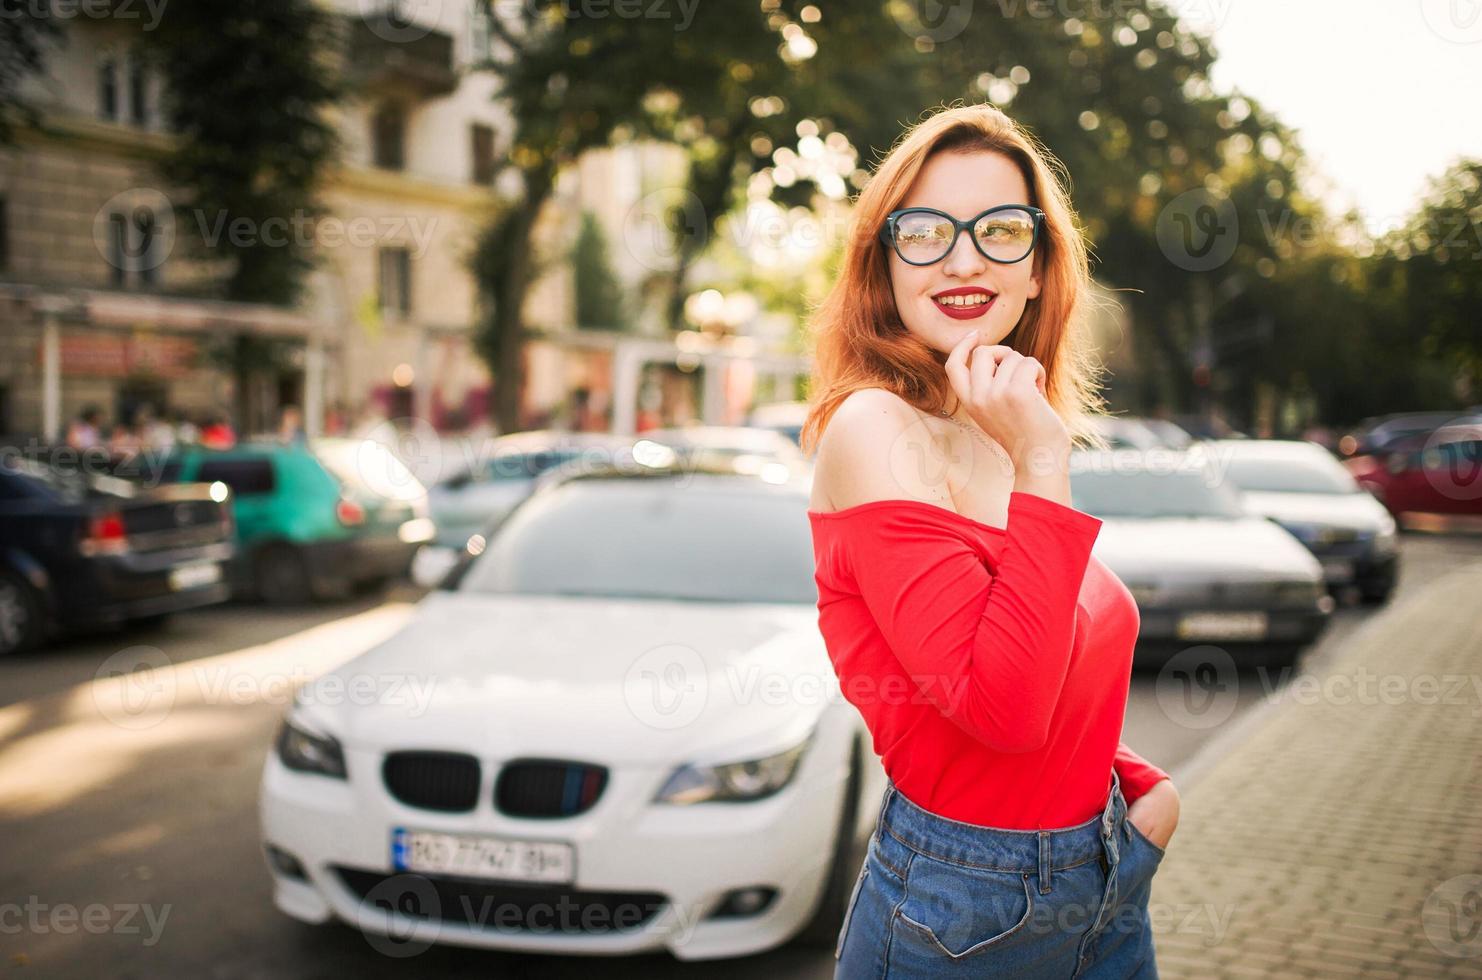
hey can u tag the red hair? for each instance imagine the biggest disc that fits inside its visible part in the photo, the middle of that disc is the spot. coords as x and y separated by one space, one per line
858 338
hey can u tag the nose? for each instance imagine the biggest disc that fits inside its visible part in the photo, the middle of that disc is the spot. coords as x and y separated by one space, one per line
964 261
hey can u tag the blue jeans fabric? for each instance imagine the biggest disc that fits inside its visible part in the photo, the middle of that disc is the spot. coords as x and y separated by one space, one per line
939 898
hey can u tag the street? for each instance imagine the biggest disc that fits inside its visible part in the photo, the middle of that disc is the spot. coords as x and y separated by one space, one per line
130 828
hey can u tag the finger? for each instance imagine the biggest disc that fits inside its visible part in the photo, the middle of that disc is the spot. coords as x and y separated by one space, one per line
957 366
992 373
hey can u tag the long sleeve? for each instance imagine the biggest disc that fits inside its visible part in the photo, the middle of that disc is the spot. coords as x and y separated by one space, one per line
1137 775
989 649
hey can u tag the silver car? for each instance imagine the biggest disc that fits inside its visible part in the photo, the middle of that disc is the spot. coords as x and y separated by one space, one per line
1202 569
1305 489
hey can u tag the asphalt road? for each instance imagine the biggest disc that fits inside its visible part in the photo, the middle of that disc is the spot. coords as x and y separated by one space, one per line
129 834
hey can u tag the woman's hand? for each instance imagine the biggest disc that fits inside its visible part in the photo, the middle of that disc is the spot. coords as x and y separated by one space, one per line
1155 812
1004 392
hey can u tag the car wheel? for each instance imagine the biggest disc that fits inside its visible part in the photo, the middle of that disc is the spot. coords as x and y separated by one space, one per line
280 576
822 930
1375 597
20 616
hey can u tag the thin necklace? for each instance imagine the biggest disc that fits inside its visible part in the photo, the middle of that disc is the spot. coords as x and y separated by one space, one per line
979 435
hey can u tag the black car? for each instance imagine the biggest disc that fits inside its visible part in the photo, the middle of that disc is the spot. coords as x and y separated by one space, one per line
81 551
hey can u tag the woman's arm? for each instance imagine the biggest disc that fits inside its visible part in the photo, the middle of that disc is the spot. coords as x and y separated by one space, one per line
1137 775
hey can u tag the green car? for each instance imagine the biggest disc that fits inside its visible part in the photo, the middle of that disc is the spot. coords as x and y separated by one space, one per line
314 518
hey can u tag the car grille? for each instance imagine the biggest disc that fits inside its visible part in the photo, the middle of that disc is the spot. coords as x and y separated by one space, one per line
503 905
548 788
446 781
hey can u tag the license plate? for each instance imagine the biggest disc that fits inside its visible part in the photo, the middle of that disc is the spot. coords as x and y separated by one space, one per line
482 857
1337 568
194 576
1222 626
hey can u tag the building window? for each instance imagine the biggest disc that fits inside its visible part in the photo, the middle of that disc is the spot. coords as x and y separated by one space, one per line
108 87
389 137
138 92
480 32
134 244
483 154
396 280
118 248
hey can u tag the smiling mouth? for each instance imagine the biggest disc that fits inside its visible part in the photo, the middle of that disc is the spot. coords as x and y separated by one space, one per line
961 300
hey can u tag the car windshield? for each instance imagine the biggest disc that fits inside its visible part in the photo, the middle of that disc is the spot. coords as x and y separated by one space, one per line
1142 493
719 539
1292 475
366 464
528 465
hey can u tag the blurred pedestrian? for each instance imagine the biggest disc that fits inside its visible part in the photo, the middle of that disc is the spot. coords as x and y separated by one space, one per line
291 424
218 433
84 432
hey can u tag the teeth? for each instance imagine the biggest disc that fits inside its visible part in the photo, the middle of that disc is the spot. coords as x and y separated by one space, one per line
977 299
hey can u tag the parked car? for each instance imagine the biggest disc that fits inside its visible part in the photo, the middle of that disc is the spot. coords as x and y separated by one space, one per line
80 552
600 731
1131 432
1305 489
1375 434
314 518
728 440
784 417
485 489
1201 568
1435 472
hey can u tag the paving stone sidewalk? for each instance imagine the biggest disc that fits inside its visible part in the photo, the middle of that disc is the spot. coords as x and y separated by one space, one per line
1343 836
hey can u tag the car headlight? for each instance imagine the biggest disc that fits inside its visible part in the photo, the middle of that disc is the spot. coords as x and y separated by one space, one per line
1308 534
1299 593
1385 539
734 781
305 751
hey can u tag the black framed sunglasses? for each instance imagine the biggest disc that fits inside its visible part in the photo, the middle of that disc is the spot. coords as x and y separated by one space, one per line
1004 234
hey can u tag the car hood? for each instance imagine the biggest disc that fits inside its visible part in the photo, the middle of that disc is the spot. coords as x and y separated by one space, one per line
624 681
1242 549
1355 511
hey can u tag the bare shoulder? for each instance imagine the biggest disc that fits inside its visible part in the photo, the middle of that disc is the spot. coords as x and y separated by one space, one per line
861 455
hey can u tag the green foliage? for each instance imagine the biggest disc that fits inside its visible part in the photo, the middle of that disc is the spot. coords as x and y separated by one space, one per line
247 86
28 31
599 296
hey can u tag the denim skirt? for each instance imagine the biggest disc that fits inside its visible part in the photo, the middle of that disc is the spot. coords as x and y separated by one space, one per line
939 898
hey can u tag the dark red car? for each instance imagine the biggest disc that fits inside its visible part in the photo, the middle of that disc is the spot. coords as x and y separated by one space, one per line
1437 472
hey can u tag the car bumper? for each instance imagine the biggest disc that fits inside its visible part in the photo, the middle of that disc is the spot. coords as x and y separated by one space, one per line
131 586
359 559
688 857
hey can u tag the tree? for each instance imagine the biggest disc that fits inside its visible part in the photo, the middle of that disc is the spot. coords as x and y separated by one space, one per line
599 295
247 86
29 29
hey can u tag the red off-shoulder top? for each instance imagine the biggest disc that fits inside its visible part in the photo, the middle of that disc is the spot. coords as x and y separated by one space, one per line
991 664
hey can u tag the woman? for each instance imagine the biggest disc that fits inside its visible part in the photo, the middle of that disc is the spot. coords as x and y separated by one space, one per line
987 651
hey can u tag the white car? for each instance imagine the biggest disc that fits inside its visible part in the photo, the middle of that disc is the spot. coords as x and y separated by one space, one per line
614 730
